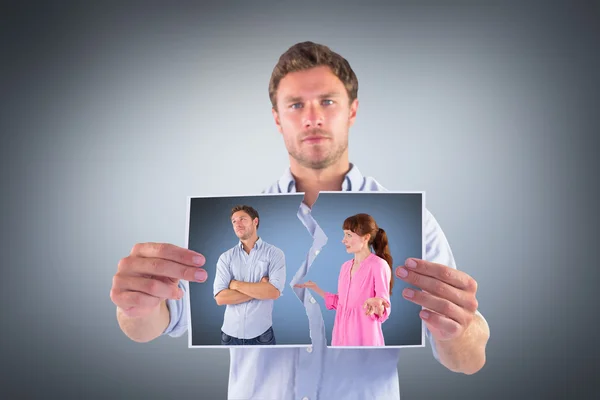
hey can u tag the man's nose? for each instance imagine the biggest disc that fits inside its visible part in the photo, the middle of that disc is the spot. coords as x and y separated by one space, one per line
313 118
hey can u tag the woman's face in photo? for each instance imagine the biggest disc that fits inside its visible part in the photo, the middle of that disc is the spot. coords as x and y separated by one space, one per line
353 242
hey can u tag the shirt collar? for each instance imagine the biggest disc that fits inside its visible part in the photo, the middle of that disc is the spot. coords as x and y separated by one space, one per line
353 180
256 245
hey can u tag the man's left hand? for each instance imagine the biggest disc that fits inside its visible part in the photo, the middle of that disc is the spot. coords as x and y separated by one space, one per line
447 296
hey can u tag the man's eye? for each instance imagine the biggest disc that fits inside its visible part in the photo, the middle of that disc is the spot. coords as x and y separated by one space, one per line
296 105
327 102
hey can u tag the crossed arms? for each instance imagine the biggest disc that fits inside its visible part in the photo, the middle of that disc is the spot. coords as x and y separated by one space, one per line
231 291
240 292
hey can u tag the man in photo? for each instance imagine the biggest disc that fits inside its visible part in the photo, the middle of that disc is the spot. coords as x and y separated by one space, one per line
249 277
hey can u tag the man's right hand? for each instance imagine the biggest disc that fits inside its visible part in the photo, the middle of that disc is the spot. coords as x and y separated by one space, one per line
151 274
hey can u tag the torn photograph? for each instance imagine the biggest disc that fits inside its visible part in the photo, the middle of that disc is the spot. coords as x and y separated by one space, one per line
368 235
250 243
271 260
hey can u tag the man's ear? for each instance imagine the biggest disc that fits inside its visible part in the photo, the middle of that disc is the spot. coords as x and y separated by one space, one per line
353 111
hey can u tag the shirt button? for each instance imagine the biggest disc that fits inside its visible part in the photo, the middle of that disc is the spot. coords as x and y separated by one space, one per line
317 253
312 300
305 398
309 349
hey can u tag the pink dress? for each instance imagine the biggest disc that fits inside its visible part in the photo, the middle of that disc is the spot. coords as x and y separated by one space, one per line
351 326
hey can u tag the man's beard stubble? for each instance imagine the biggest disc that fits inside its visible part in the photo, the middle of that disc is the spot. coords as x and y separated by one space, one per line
331 159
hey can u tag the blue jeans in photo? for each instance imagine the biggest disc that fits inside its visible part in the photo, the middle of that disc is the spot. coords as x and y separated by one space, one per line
266 338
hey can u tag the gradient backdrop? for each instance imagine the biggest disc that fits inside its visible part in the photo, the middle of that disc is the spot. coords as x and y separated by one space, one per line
211 233
112 114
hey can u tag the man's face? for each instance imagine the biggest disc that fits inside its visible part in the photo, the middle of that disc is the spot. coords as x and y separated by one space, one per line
243 226
314 116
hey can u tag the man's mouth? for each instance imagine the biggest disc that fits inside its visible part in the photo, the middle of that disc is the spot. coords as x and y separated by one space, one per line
315 139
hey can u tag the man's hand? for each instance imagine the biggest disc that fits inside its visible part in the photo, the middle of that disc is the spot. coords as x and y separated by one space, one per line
375 306
150 275
447 296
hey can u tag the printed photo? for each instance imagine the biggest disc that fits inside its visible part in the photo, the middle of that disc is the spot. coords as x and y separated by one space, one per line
251 243
270 255
368 235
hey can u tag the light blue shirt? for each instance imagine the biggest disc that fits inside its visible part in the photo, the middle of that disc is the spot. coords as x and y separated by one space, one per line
318 372
252 318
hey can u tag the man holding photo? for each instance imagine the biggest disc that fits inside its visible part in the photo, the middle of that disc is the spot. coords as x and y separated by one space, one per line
313 92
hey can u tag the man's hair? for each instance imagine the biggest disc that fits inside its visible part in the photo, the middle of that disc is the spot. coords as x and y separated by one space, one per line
248 210
306 55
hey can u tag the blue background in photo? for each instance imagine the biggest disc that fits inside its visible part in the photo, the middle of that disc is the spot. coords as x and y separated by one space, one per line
211 234
400 215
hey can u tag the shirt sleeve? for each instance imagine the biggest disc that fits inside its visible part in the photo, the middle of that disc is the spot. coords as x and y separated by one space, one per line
222 275
277 272
178 312
331 301
381 277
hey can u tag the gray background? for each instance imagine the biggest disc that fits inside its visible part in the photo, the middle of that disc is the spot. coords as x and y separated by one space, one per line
211 234
111 116
400 215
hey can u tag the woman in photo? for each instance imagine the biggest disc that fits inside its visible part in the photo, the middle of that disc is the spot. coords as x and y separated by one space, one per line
365 282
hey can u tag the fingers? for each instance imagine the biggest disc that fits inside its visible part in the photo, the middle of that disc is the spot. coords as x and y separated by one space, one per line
161 267
377 301
439 305
153 287
442 327
169 252
137 296
128 300
377 310
308 284
375 305
450 276
439 288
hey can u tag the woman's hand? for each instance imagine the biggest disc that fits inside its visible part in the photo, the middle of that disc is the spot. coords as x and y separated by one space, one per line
375 306
313 286
308 285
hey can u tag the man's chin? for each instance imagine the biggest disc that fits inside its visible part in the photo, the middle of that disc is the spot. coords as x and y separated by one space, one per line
316 162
